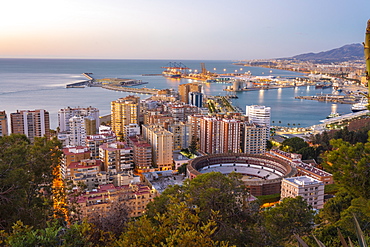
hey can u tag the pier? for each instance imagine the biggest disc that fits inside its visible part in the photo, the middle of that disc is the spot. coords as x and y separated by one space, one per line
341 99
132 90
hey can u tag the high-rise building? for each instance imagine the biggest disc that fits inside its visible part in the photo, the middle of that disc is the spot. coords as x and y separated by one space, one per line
31 123
182 134
95 141
180 112
3 124
77 136
253 138
125 111
219 135
194 121
196 99
261 115
117 157
142 155
161 141
185 89
67 113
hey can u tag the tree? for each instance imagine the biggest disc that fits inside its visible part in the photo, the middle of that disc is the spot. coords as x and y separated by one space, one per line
78 235
114 220
25 179
269 145
290 216
215 192
179 225
350 166
308 153
294 144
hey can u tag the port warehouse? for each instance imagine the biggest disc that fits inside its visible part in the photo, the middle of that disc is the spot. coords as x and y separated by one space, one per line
261 174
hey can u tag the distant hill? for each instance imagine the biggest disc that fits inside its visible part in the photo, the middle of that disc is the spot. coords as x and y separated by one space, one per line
344 53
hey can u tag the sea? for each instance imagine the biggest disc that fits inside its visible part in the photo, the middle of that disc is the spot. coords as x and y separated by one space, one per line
29 84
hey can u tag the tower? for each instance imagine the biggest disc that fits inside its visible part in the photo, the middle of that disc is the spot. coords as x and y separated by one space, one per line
77 129
161 141
261 115
185 89
196 99
124 111
31 123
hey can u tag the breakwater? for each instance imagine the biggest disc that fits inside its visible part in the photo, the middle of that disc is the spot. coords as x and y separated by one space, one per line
341 99
132 90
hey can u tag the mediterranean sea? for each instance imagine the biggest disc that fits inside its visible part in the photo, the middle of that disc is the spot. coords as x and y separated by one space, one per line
28 84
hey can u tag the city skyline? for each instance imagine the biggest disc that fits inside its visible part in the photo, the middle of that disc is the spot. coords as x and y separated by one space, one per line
166 29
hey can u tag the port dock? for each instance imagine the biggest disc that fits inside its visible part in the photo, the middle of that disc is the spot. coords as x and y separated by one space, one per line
92 82
131 89
341 99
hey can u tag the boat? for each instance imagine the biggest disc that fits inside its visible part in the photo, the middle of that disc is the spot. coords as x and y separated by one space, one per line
175 70
333 115
361 106
171 74
322 86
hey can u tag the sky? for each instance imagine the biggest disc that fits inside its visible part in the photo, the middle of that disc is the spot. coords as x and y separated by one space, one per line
178 29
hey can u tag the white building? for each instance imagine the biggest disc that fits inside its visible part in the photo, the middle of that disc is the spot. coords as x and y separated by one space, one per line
67 113
130 130
77 136
310 189
259 114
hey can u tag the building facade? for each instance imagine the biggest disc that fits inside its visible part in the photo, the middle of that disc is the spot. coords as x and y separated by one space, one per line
182 134
3 124
91 113
161 141
310 189
260 115
219 135
254 138
124 111
185 89
117 157
99 201
196 99
33 124
95 141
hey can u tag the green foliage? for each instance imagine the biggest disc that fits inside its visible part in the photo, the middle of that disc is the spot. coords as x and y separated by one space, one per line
25 179
77 235
269 198
331 189
293 144
350 166
333 208
269 145
182 168
179 225
289 217
214 192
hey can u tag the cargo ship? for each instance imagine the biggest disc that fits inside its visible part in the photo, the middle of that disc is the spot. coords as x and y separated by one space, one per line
175 70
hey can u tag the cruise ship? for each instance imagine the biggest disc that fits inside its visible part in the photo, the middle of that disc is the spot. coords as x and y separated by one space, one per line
361 106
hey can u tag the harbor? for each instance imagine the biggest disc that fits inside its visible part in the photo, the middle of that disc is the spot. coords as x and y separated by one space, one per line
105 82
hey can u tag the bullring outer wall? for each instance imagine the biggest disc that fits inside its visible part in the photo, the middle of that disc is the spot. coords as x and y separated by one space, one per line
257 188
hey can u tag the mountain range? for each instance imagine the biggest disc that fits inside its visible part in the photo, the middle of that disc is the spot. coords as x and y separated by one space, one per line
345 53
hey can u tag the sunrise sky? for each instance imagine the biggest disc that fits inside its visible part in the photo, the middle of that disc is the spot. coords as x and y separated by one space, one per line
174 29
